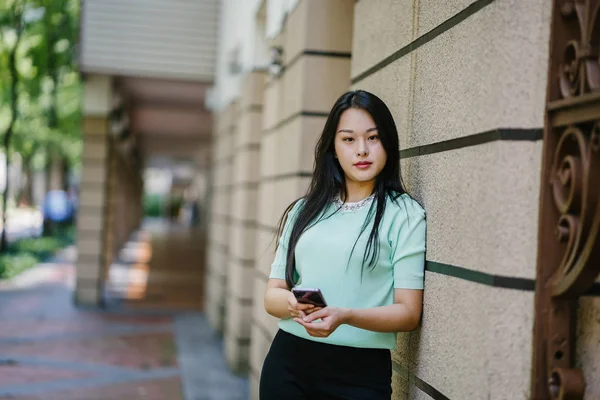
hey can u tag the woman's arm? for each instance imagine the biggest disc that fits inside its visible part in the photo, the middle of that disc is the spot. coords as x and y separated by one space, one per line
276 298
281 303
402 316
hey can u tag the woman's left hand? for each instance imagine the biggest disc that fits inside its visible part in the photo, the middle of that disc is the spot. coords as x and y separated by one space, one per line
331 318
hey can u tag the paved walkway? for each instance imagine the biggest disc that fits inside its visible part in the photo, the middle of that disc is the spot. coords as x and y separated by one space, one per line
50 350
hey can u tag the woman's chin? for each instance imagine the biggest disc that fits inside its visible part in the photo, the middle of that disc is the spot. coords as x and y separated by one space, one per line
362 178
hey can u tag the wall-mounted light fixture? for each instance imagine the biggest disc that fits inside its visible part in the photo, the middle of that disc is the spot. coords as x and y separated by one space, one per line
235 64
119 121
276 63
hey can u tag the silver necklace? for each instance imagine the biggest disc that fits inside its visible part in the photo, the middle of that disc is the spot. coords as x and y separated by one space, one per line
353 207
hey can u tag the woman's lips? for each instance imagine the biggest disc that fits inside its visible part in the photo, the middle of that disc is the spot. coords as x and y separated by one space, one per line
363 165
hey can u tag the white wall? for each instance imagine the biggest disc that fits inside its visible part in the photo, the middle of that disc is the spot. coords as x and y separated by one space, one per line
276 12
239 32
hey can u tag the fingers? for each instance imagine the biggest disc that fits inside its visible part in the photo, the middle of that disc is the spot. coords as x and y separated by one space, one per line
300 312
316 329
312 310
295 313
323 312
304 306
292 302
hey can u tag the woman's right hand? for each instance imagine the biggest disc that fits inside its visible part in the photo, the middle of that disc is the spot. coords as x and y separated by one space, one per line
300 310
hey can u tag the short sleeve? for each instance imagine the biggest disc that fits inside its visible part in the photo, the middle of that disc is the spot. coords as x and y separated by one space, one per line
279 263
408 256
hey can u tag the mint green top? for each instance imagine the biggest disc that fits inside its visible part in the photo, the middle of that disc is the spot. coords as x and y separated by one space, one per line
322 255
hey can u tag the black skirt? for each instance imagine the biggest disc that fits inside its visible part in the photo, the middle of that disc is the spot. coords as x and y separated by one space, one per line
297 368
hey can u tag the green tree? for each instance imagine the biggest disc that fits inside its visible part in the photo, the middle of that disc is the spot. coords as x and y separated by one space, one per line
12 23
39 84
29 142
57 80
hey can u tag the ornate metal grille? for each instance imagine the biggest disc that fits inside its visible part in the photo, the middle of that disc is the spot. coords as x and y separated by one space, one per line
569 247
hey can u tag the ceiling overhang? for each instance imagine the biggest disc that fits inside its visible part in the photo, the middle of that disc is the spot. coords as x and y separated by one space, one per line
168 117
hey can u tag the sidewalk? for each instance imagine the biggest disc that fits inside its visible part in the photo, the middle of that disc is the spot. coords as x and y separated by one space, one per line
52 351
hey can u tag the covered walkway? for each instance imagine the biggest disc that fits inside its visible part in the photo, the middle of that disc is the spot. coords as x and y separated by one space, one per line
151 341
161 267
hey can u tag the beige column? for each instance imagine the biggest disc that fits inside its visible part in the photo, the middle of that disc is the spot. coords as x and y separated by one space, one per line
220 216
110 194
243 220
93 218
316 41
126 198
111 217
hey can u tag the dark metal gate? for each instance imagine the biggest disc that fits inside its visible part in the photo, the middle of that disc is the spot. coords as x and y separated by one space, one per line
569 246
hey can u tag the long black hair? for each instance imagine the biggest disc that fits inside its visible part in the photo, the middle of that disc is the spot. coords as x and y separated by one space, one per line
329 181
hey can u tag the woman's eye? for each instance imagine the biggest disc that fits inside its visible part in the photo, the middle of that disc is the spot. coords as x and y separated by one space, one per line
374 137
348 139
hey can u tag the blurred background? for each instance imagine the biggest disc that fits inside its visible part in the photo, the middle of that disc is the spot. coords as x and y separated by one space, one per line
106 141
150 147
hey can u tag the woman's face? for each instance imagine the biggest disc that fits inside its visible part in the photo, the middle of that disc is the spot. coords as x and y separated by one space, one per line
358 147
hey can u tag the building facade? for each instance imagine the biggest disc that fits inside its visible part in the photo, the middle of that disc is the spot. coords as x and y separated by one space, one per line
467 84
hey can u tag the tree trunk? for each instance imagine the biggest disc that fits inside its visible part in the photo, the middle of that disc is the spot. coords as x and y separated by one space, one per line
56 177
12 65
8 134
26 192
66 172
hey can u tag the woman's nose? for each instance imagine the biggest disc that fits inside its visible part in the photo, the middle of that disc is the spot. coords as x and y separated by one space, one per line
362 149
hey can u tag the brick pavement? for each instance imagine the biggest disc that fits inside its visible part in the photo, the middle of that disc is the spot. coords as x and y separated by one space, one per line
78 354
50 350
158 389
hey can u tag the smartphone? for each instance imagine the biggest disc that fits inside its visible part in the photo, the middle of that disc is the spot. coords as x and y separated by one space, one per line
310 296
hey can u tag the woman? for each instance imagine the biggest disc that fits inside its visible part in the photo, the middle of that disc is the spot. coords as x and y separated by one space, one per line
360 238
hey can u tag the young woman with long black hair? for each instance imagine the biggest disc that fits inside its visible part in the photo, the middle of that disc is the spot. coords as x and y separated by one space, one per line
360 238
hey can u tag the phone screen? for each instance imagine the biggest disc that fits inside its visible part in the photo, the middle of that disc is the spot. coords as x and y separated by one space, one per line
310 296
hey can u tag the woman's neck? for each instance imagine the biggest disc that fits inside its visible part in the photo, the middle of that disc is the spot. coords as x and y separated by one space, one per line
357 191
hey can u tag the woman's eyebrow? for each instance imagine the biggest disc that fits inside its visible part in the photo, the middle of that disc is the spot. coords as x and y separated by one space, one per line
351 131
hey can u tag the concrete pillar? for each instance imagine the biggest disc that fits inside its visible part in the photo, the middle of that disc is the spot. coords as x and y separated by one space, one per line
317 44
94 197
120 201
244 209
127 200
110 194
220 216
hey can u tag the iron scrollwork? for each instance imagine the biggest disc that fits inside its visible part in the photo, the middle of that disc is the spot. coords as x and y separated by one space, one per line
574 169
569 246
